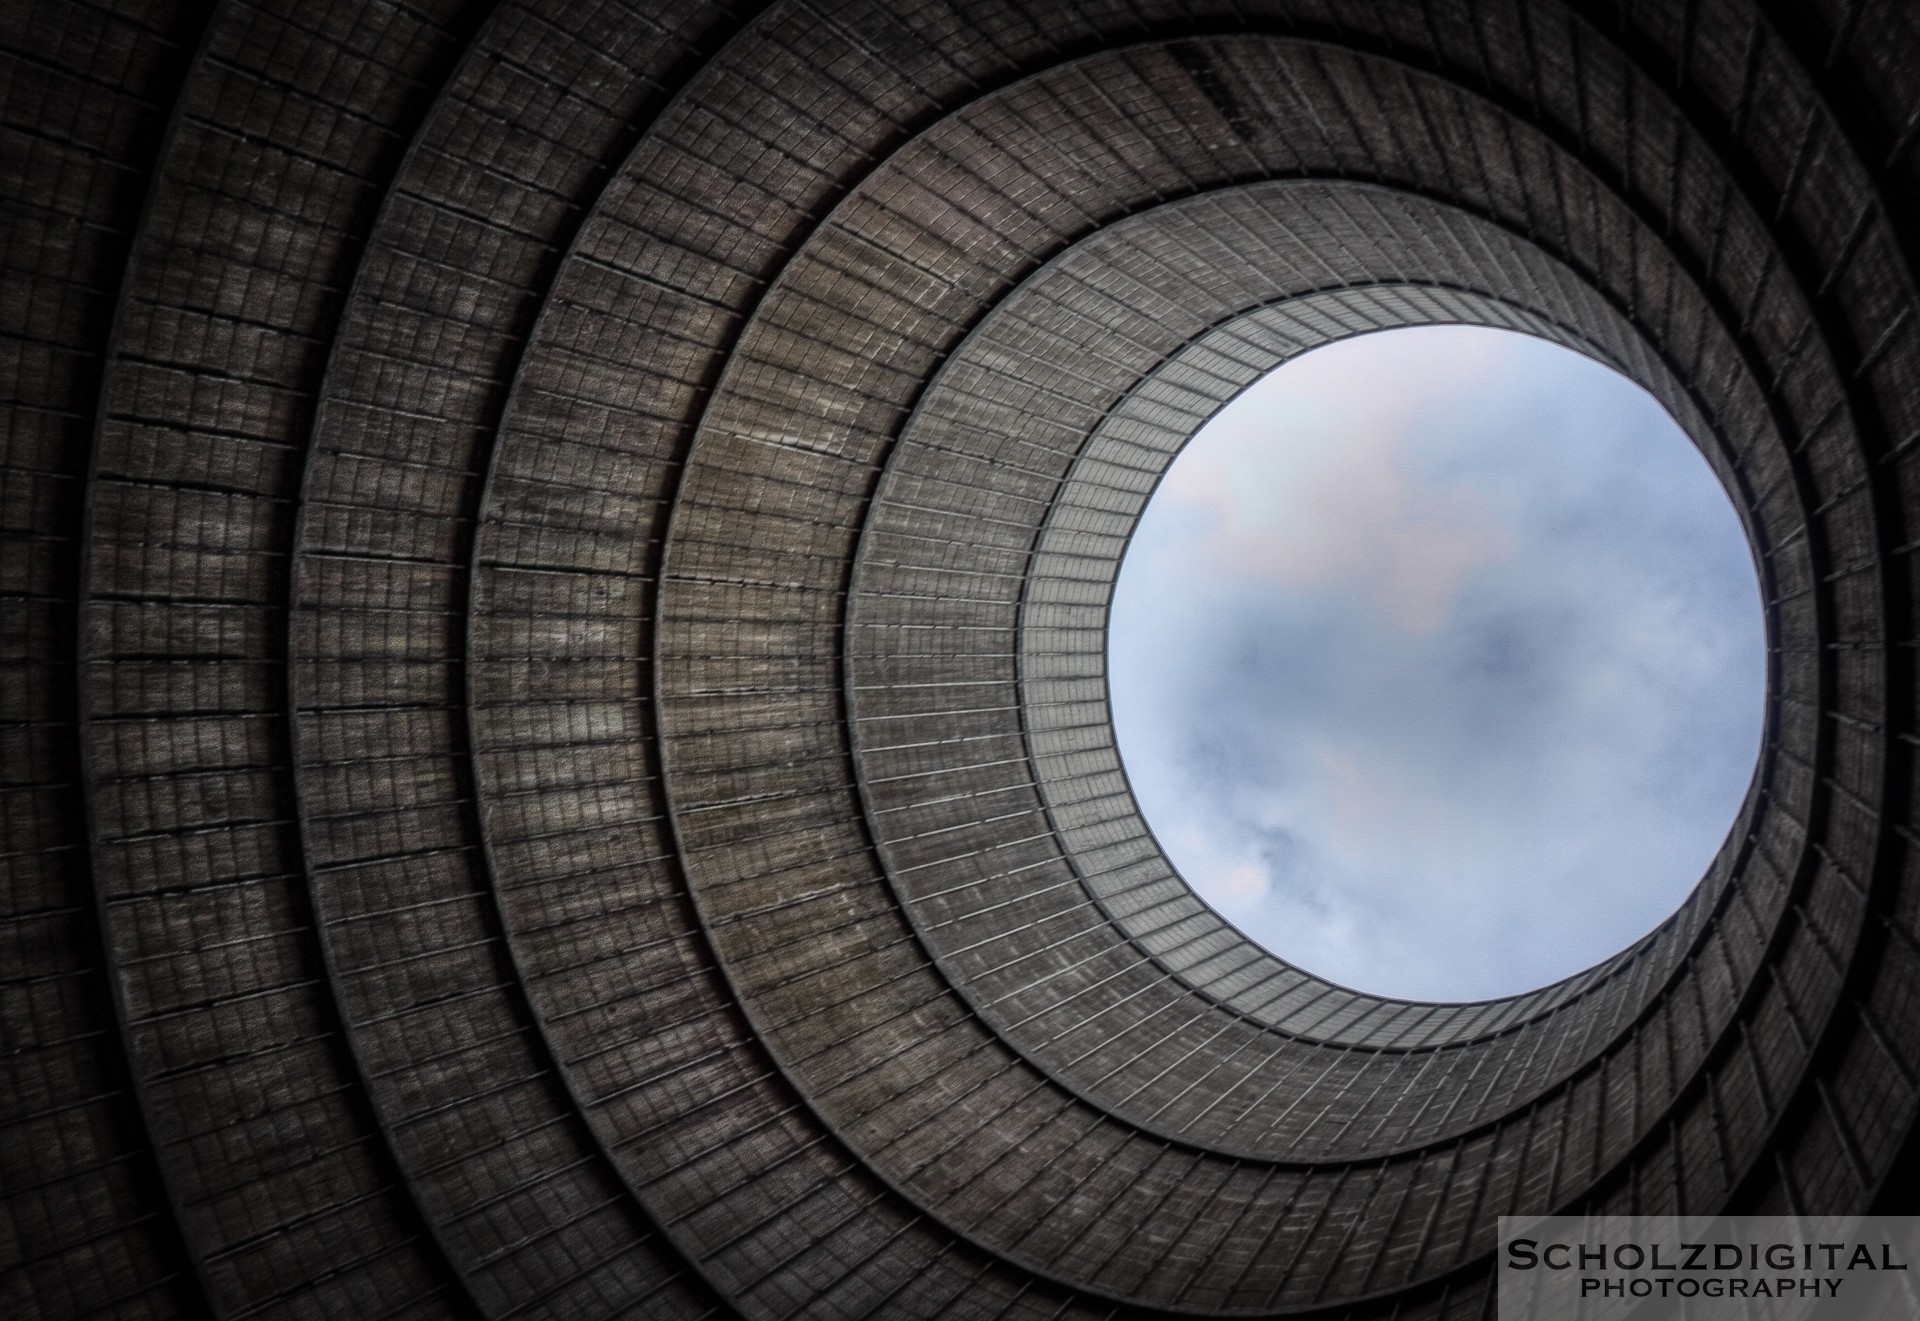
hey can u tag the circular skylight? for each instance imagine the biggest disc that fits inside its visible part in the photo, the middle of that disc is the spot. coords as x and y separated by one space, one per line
1437 662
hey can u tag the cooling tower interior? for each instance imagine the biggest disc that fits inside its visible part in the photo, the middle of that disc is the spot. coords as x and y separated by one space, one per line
553 733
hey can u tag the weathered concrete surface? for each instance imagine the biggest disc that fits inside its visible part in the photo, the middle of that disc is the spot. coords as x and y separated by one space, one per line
555 751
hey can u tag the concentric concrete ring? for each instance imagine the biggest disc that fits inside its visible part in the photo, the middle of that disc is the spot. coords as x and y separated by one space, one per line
556 572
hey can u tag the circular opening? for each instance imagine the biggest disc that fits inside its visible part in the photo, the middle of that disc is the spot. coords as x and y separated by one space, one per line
1437 662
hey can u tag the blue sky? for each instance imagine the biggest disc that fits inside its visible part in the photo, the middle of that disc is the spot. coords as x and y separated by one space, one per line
1437 662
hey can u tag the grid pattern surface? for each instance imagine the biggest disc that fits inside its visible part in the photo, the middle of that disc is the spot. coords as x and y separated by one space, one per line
556 553
1043 580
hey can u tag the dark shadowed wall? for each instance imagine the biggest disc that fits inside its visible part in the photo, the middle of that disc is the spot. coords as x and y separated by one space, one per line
552 728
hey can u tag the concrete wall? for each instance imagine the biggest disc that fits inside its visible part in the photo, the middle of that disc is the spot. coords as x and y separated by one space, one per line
552 734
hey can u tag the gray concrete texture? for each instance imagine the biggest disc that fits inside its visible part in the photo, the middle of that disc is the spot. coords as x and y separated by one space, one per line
553 738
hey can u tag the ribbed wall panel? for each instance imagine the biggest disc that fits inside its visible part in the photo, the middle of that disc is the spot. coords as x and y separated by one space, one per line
556 757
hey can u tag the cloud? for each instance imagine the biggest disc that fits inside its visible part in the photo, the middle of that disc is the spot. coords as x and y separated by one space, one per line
1243 884
1448 689
1309 482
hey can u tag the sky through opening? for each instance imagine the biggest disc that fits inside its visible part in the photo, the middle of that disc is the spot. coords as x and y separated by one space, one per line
1437 662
